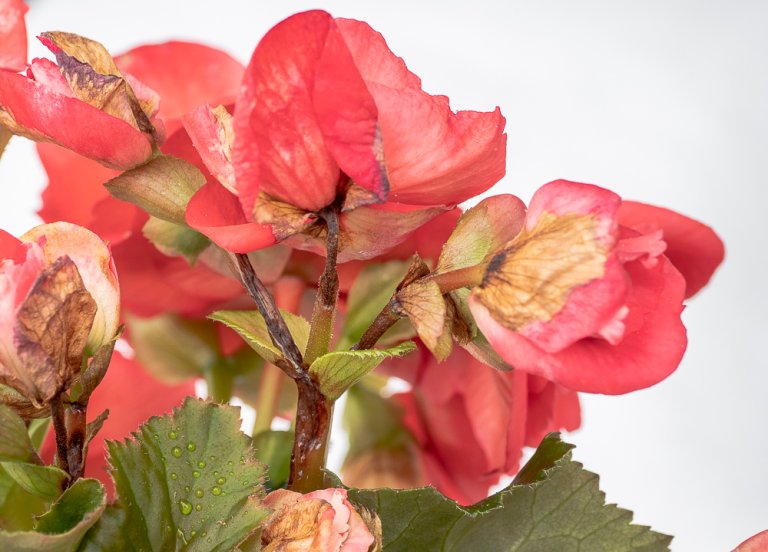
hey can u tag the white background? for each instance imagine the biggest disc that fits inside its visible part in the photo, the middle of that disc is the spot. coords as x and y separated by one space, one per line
662 101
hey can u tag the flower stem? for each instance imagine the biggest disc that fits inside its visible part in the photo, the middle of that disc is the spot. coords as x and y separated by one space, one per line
324 309
310 447
383 321
278 330
267 398
60 431
470 276
219 382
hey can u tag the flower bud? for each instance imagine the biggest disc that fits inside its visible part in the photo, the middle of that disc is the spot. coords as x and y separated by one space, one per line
320 520
59 300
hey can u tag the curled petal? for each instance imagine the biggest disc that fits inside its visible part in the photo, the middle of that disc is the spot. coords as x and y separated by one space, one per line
216 213
453 157
694 248
35 111
652 346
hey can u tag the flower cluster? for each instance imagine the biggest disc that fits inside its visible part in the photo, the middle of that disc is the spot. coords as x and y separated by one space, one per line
322 182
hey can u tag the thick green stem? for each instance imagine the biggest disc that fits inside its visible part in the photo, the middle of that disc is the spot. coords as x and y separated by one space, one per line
219 380
268 397
310 447
324 309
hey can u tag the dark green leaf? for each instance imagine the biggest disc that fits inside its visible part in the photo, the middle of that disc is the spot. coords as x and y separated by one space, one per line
46 482
189 481
15 443
63 527
339 370
562 511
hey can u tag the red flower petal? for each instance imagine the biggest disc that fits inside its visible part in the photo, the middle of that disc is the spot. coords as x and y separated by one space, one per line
757 543
373 58
652 346
304 113
72 123
217 213
551 407
132 396
8 245
185 75
694 248
74 185
13 35
452 157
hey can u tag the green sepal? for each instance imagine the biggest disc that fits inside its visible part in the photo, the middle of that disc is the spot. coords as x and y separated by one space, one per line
337 371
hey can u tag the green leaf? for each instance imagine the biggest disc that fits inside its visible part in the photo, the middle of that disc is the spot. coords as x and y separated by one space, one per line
46 482
273 448
15 443
252 327
339 370
189 481
107 534
37 430
172 349
370 293
17 507
561 510
175 240
63 527
481 231
162 187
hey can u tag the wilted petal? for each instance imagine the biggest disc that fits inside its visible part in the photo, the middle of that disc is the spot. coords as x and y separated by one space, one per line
33 110
13 35
210 130
652 346
95 265
559 280
694 248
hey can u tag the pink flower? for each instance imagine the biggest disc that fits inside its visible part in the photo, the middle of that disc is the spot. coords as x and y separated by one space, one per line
471 421
580 299
328 115
321 520
60 279
13 35
184 75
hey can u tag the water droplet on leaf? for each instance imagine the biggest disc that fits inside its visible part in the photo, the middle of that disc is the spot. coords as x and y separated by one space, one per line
176 452
185 507
191 446
216 491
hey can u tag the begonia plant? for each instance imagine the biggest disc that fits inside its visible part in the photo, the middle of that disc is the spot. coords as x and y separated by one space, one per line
292 232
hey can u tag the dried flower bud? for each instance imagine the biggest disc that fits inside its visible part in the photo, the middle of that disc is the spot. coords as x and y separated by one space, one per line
320 520
59 300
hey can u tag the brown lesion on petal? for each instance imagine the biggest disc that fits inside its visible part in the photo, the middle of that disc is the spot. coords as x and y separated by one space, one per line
530 279
51 333
94 78
285 219
295 525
